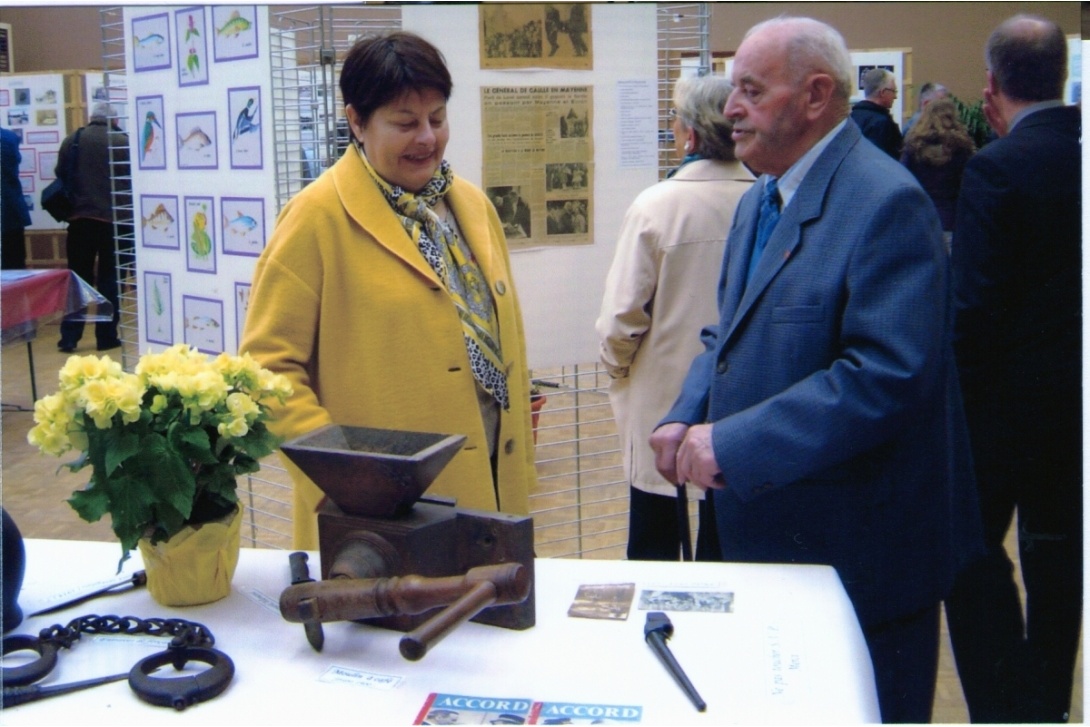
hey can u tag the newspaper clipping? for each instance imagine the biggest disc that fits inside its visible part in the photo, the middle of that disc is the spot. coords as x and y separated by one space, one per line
538 162
536 35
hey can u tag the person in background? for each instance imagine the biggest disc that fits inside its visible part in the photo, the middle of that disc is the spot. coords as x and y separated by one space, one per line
14 215
936 151
657 298
1017 262
928 92
824 413
386 296
91 244
872 114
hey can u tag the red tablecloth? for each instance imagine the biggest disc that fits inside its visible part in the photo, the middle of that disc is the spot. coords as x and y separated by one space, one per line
28 296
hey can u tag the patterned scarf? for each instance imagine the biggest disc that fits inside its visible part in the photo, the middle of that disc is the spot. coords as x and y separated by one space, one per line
453 262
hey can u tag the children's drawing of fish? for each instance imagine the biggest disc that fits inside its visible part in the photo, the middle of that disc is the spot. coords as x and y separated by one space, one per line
235 24
196 139
159 219
149 41
241 225
200 323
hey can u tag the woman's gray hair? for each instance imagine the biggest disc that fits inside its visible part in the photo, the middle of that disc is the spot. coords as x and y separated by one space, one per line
699 102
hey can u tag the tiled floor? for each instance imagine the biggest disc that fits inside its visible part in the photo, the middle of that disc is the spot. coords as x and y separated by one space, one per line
34 490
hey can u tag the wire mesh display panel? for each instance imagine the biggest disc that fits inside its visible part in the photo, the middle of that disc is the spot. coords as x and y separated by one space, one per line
115 89
308 46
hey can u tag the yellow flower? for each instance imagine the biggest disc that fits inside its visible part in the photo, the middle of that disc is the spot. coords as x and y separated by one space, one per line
233 428
274 384
241 405
104 398
49 438
53 416
78 370
203 390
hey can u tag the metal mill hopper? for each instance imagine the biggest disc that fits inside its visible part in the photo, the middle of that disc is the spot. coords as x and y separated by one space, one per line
370 472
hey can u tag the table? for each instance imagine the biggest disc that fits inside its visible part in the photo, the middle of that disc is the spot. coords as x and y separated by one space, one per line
791 652
28 297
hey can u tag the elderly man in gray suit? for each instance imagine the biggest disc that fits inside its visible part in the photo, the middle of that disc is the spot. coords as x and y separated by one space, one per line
824 414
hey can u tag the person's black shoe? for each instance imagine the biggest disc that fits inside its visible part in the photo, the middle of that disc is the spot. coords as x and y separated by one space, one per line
66 347
109 346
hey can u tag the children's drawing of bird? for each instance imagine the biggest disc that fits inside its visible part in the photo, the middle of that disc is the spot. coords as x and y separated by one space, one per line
244 123
147 137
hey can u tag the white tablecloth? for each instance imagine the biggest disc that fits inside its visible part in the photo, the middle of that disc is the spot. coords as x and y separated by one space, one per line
791 652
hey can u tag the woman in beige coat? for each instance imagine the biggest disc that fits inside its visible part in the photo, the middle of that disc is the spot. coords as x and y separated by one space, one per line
660 292
386 297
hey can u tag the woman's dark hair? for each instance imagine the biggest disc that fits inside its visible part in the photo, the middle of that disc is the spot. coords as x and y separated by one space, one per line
379 69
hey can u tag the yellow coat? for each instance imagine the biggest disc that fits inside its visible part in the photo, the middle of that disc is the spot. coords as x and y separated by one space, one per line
346 307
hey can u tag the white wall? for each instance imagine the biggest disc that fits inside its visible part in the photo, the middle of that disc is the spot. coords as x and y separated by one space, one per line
560 287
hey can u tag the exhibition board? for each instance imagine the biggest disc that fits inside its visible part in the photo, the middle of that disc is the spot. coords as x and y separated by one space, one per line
788 651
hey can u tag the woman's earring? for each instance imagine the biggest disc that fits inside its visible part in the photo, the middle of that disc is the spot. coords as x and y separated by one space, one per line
688 147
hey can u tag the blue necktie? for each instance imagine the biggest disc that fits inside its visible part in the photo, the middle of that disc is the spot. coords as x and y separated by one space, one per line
767 218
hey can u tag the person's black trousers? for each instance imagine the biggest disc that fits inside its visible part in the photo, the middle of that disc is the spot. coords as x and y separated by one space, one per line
88 242
13 249
653 532
1016 668
1028 458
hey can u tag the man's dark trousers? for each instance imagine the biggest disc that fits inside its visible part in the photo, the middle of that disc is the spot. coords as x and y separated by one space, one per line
90 240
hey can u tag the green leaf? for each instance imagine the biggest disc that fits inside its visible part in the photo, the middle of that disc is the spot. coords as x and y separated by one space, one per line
125 446
130 509
90 503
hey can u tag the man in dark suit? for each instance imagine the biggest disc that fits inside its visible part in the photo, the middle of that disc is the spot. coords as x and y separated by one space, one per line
873 115
824 414
1017 269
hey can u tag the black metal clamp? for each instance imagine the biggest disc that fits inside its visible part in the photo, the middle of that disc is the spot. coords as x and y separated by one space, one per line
190 642
181 692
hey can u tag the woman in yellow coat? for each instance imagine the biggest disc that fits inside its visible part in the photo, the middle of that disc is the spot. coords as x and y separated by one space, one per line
385 293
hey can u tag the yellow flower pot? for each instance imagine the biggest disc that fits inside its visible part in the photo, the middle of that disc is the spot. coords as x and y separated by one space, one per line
196 565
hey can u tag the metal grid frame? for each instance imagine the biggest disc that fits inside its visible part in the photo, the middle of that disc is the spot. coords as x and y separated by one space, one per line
114 81
580 507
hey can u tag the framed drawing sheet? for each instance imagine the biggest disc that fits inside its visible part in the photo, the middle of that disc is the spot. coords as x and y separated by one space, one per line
197 146
159 221
151 43
158 308
192 44
202 319
151 147
200 249
244 116
243 225
235 38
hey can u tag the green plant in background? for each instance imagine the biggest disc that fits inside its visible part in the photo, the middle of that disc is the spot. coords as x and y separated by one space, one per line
976 123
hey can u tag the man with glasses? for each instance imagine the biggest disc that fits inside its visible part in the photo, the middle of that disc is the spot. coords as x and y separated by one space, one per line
873 115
